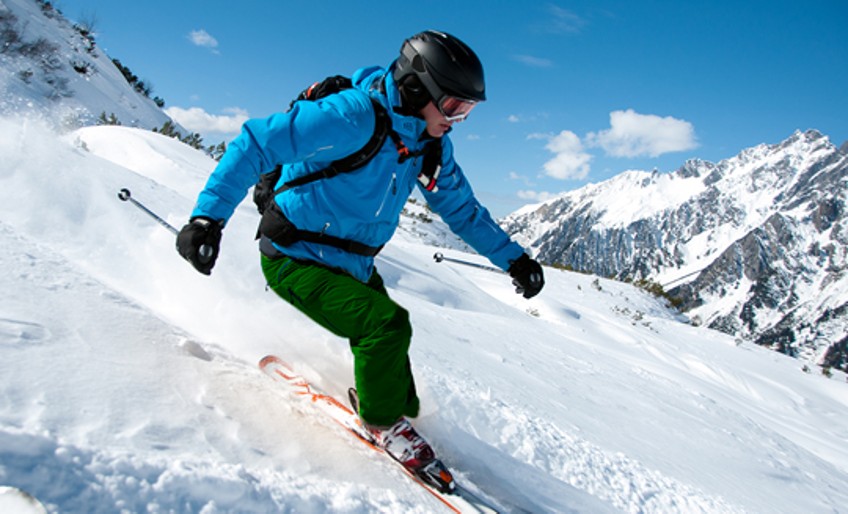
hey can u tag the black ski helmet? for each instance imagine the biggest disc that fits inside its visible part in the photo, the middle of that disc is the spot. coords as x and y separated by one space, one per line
433 64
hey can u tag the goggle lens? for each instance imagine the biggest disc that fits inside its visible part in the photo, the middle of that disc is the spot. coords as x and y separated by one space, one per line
455 109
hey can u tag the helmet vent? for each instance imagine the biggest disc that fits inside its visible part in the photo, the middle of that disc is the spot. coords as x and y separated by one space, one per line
418 64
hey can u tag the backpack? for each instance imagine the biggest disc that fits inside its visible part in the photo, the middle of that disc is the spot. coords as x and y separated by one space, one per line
280 230
265 190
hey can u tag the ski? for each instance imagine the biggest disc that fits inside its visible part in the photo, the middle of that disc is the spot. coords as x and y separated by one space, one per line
440 483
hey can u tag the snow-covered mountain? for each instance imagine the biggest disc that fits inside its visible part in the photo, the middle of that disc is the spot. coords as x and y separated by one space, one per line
51 66
755 245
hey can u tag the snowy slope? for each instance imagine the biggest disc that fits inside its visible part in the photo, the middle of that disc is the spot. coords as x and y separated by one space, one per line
129 380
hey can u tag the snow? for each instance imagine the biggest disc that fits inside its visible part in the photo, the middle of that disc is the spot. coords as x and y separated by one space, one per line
129 381
54 89
666 191
647 193
15 501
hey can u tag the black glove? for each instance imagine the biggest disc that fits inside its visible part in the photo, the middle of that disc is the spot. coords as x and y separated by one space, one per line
198 242
527 276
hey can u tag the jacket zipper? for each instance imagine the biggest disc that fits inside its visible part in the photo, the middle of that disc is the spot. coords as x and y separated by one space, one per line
392 189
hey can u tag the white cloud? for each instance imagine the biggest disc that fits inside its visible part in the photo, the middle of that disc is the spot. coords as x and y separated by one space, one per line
512 118
564 21
570 161
634 135
521 178
537 196
533 62
198 120
202 38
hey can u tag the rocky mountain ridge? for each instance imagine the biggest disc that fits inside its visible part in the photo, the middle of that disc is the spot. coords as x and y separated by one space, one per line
755 245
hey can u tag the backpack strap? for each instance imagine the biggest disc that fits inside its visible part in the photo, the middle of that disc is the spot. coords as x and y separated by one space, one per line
432 165
275 226
354 161
326 87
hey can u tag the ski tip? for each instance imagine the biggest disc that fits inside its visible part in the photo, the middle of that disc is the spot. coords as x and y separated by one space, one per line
270 359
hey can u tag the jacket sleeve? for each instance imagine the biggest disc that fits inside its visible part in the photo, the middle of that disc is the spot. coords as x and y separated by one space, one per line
455 202
322 131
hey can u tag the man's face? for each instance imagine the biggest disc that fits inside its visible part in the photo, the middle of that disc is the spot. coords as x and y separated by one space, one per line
437 125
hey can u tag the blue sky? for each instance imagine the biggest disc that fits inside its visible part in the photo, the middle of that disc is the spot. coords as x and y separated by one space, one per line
578 91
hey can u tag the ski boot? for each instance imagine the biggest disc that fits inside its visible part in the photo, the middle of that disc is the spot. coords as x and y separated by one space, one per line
403 443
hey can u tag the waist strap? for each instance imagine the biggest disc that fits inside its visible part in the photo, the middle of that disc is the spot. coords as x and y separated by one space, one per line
277 227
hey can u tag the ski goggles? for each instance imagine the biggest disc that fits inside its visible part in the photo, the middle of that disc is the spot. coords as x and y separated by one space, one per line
453 108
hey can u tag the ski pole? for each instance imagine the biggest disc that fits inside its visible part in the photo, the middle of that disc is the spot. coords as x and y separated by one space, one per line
438 257
125 195
205 251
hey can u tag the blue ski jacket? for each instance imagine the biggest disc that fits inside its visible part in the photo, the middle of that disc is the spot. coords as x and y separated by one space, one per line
363 205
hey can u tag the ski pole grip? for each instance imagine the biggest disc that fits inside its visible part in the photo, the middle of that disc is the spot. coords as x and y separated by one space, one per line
438 257
124 194
204 254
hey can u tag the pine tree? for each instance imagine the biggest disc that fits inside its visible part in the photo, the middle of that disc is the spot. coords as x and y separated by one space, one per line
110 120
194 140
217 151
167 129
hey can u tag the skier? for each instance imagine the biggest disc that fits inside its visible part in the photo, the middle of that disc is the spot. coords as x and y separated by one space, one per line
318 239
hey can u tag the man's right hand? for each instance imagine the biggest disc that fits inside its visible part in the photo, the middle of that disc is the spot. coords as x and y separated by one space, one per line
199 241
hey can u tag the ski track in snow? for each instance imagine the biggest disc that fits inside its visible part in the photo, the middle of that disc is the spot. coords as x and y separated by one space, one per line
130 381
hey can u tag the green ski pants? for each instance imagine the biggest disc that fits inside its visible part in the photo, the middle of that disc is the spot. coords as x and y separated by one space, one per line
378 329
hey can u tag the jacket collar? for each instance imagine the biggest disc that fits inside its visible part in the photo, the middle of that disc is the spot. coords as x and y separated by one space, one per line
379 83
